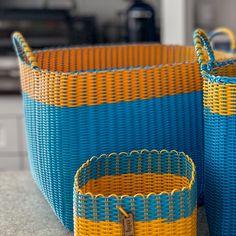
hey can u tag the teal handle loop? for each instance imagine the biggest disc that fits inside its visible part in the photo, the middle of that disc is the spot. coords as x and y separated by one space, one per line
201 43
224 31
23 50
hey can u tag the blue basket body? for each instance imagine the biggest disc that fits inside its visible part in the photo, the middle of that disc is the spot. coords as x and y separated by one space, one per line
220 173
56 149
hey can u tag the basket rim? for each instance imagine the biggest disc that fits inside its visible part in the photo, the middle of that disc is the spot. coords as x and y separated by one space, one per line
219 78
85 72
32 64
181 155
207 66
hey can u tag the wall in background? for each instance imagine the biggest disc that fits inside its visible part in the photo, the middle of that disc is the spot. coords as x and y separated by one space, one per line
177 21
223 13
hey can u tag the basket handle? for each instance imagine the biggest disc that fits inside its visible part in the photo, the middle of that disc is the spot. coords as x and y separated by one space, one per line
23 50
225 31
202 42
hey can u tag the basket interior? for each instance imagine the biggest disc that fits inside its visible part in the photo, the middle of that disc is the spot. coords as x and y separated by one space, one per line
112 57
225 71
130 174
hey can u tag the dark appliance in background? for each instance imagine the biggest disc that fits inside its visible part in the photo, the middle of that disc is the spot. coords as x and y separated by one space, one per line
42 28
83 31
115 30
46 28
141 22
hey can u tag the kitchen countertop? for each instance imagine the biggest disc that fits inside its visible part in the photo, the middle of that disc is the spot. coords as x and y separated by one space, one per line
24 211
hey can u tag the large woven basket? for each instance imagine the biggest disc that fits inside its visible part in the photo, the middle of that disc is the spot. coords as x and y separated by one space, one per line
81 102
140 193
220 138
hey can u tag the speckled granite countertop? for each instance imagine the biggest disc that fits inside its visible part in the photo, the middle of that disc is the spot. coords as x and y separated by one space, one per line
24 211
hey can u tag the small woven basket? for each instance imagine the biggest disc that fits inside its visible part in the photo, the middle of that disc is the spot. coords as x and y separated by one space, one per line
137 193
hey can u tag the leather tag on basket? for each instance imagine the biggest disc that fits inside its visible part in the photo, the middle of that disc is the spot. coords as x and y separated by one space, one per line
128 225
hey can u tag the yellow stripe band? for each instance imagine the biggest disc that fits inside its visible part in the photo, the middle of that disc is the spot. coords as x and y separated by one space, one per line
155 71
115 86
182 227
220 99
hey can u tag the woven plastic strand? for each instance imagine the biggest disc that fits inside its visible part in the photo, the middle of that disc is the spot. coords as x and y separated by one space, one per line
169 211
58 136
220 133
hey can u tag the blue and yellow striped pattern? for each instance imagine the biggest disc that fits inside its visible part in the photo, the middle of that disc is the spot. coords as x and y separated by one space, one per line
220 145
85 101
180 227
158 188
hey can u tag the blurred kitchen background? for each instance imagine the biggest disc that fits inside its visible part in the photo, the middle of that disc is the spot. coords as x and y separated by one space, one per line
50 23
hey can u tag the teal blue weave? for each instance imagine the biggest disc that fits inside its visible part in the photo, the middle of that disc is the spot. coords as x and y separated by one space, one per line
57 148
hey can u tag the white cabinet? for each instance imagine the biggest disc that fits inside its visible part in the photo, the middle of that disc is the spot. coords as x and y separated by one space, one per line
12 139
9 130
10 163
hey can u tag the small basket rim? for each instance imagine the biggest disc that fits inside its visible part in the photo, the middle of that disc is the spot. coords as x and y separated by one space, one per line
181 155
220 79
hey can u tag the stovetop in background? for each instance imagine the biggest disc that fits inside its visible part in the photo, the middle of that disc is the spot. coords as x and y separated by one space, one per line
42 28
9 75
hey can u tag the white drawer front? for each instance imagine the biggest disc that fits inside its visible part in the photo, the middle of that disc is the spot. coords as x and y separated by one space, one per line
22 136
10 163
9 135
26 165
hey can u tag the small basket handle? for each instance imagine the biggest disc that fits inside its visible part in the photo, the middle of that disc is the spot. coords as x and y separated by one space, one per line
23 50
225 31
201 41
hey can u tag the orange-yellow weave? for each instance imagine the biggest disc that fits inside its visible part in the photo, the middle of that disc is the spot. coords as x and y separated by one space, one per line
56 82
220 97
182 227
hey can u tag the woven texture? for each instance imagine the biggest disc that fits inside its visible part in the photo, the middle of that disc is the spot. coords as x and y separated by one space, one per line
220 136
158 188
81 102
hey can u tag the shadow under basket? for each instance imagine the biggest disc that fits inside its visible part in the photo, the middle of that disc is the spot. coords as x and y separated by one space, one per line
141 192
